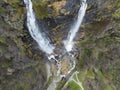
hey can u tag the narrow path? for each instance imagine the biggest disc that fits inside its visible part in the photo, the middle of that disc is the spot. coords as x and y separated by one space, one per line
77 81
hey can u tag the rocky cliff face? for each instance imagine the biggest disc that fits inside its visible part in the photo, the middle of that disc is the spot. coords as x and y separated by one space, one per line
21 62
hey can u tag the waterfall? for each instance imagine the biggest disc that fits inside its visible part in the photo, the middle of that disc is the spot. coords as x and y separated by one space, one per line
74 29
34 29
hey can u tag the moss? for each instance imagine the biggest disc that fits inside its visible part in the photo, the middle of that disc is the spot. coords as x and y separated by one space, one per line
41 9
2 40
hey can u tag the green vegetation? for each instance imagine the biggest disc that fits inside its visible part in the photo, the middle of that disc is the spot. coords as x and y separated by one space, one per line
12 1
90 74
1 10
1 22
20 45
114 4
114 71
99 50
2 40
6 64
15 5
61 84
41 9
22 87
116 14
106 84
73 86
82 75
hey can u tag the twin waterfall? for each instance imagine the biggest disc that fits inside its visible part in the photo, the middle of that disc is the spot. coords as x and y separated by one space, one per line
43 41
40 37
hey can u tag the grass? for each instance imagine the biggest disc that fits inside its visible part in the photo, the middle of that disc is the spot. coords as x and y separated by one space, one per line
73 86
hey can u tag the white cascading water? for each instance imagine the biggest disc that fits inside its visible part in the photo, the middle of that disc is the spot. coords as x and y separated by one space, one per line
44 43
34 29
68 43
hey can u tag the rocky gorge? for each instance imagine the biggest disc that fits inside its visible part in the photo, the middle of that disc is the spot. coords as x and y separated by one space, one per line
22 64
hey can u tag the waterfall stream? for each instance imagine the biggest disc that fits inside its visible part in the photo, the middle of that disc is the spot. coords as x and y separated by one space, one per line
68 43
34 29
